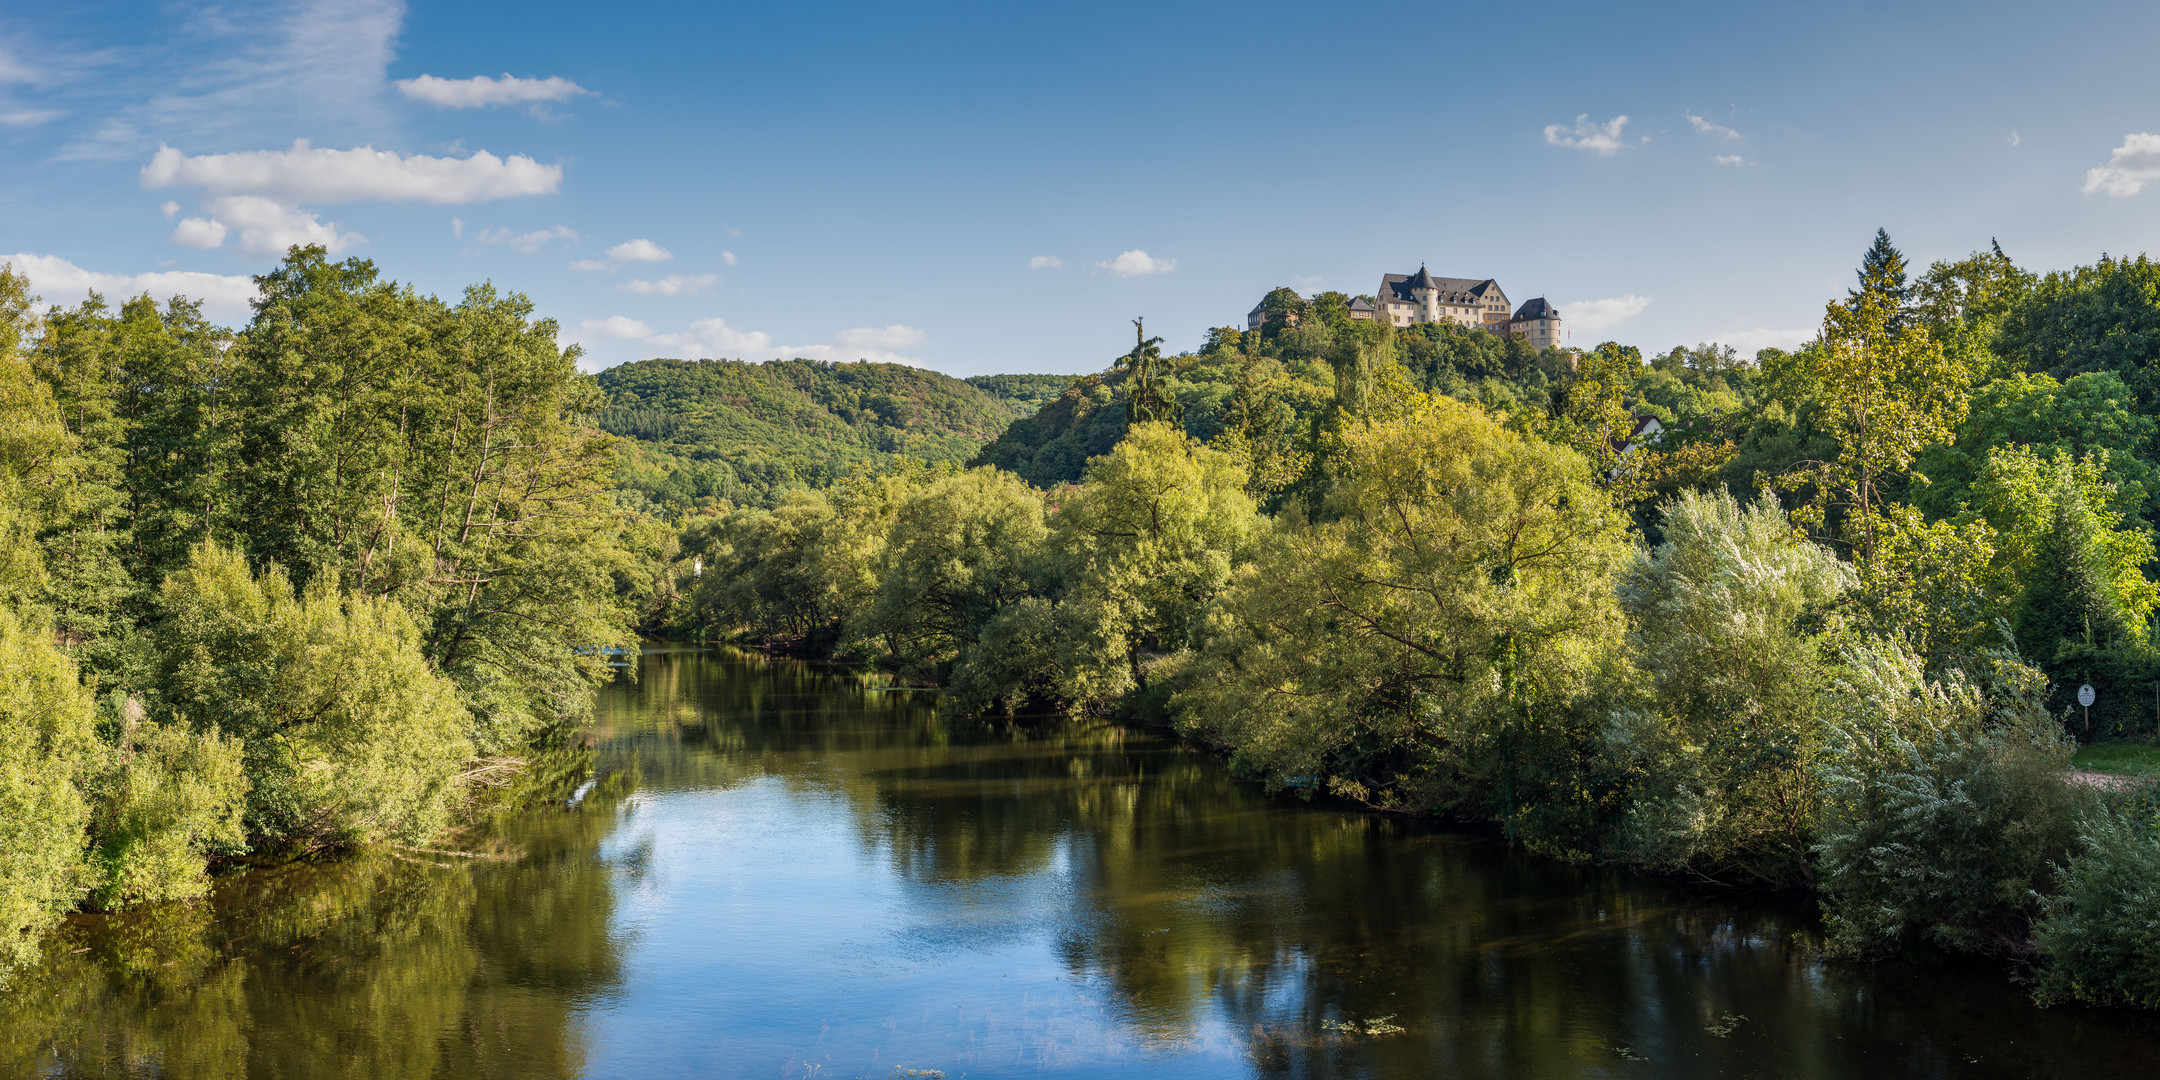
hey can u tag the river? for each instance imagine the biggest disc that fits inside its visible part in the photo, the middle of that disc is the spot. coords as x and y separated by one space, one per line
786 870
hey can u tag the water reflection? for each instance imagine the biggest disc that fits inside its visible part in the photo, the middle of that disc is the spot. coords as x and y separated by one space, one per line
817 876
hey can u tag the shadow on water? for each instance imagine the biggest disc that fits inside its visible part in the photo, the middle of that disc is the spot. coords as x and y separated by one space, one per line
818 876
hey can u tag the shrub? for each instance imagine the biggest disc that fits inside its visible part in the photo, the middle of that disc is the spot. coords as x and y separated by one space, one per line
174 796
1726 620
1944 804
48 745
2100 935
349 736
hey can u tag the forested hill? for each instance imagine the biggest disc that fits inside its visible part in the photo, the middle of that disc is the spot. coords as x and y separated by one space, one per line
708 430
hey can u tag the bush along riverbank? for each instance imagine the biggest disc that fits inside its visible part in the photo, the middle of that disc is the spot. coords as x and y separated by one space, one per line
1516 617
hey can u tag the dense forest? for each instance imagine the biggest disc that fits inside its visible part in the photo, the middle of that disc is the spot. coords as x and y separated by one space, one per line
706 432
1822 633
328 580
302 587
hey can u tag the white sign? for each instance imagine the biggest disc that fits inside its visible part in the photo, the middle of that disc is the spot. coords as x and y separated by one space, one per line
2085 695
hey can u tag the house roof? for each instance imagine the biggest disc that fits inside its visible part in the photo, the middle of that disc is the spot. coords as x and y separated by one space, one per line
1360 304
1451 289
1537 309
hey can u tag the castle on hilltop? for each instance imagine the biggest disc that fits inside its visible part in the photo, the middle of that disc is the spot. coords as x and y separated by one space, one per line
1409 299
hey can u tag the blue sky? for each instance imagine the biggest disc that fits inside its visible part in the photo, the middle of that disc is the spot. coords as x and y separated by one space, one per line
1002 187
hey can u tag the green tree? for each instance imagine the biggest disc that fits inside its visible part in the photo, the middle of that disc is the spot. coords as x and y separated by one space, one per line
1142 548
437 455
1963 305
961 549
1886 393
2103 317
48 753
1281 309
2091 415
1882 273
1145 397
1428 643
348 735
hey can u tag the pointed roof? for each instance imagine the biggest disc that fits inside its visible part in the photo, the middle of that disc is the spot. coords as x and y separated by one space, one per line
1536 309
1453 290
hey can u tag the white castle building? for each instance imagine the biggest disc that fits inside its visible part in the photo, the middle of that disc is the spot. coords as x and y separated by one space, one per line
1409 299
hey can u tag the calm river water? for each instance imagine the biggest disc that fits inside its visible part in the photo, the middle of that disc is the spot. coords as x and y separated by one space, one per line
786 871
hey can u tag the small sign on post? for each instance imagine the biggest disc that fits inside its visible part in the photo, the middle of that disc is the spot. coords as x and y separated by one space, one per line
2085 700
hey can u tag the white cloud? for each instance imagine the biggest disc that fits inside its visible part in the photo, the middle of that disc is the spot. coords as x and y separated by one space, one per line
481 90
2014 140
1046 262
639 251
457 227
614 328
728 257
1600 139
589 264
197 233
2133 163
671 285
27 117
882 338
224 297
1747 342
1592 316
169 209
265 227
525 243
1732 159
714 339
306 174
1136 262
1706 127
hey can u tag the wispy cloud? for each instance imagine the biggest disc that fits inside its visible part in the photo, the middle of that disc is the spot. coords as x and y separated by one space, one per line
1706 127
1046 262
525 243
2014 140
671 285
225 297
481 91
1593 316
2132 164
1731 159
229 68
1136 263
1604 139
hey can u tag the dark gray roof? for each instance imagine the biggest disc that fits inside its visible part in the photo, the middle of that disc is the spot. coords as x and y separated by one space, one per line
1360 304
1454 290
1536 309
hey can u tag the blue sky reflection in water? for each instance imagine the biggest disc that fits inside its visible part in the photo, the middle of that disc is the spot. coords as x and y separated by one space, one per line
818 880
785 872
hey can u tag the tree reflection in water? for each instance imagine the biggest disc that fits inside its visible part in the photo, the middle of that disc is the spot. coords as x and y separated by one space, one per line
821 876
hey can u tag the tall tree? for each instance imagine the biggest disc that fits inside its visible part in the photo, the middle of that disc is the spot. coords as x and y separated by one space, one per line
1886 393
1145 398
1882 273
